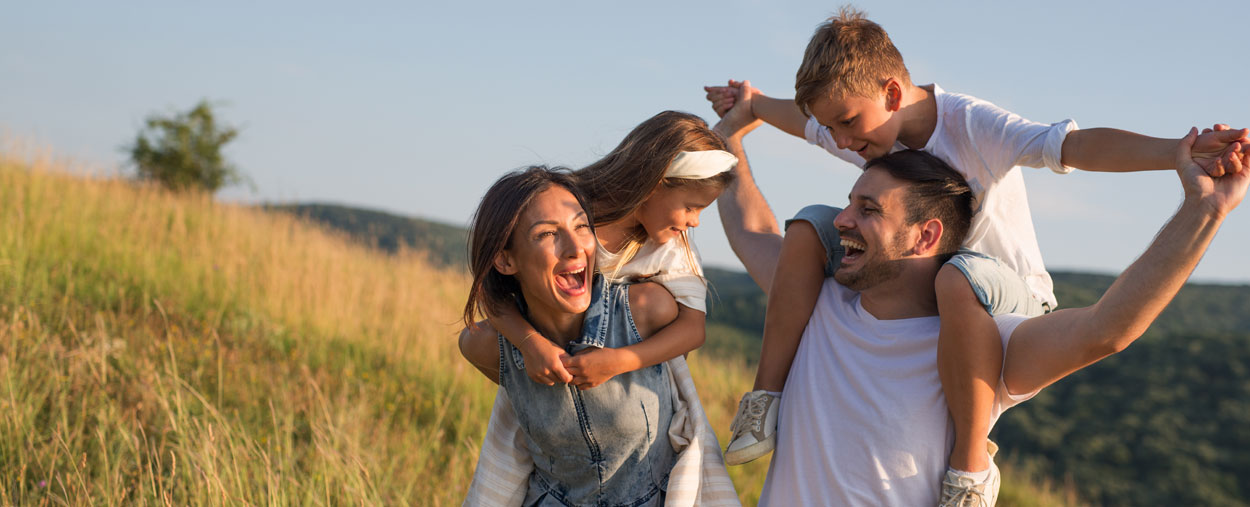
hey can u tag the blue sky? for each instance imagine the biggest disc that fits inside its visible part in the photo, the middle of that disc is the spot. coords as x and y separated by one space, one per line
416 108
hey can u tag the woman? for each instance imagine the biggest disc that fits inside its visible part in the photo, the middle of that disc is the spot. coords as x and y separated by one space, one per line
532 246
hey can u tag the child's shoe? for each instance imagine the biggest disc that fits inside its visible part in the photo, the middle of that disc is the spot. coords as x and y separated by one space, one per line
754 428
962 491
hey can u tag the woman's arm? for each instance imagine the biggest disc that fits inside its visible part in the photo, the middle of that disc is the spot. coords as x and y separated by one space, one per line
543 358
667 328
479 345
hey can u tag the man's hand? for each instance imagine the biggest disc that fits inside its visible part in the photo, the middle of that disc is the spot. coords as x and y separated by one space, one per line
740 119
594 366
722 97
544 361
1217 149
1222 192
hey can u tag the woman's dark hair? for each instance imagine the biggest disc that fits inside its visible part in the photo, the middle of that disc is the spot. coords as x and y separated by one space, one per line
935 190
491 233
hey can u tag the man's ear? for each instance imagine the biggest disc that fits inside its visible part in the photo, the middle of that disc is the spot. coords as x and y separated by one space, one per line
893 95
930 238
504 263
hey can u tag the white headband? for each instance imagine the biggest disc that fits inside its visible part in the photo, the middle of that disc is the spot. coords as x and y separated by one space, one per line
698 165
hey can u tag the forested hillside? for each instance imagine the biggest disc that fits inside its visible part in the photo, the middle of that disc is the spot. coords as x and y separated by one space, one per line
1165 422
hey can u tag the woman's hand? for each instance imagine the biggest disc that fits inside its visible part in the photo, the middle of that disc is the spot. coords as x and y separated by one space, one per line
595 366
544 361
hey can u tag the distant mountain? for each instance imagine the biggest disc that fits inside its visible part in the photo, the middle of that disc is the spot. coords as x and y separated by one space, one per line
444 243
1165 422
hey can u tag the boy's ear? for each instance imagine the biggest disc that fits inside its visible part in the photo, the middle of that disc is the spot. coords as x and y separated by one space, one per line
930 238
893 95
505 264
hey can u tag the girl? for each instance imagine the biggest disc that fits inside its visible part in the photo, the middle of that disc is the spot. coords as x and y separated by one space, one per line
644 195
639 439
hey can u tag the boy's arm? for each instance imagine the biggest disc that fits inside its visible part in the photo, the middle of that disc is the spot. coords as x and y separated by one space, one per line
749 223
1114 150
543 358
667 328
781 113
1045 349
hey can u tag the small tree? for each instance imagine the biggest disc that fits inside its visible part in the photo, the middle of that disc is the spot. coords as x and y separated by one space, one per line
183 152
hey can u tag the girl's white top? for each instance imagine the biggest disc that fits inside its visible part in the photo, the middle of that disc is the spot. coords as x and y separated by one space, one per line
666 264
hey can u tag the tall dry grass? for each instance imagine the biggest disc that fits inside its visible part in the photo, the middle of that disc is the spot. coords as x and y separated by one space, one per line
169 349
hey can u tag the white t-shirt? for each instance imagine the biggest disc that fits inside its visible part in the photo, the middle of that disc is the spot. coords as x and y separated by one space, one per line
986 144
666 264
863 420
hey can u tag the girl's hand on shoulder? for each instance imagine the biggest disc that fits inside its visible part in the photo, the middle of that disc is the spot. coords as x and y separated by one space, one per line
544 361
595 366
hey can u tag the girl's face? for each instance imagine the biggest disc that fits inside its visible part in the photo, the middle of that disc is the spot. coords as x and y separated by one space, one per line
672 210
552 253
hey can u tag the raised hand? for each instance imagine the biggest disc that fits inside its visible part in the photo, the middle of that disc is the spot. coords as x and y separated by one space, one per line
1216 149
1222 191
722 97
740 119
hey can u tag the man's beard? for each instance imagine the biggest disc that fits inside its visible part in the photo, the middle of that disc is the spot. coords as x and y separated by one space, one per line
882 267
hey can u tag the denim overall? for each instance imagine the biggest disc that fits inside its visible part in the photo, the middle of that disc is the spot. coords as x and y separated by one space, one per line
605 446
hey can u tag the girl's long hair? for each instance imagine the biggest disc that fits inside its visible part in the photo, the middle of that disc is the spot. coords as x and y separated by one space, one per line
617 184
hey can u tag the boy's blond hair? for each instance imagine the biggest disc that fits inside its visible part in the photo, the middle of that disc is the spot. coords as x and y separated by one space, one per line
848 55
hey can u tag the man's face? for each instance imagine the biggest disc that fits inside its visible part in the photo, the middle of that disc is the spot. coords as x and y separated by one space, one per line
873 231
861 124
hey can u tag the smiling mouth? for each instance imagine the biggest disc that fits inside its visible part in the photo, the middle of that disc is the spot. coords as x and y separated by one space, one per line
853 249
572 282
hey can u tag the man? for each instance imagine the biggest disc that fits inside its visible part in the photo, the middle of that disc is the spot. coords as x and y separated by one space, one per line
863 420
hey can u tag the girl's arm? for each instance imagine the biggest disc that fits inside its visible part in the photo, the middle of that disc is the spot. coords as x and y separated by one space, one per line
479 346
667 328
543 358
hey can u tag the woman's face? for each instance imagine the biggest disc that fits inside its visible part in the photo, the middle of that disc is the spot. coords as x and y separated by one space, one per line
552 253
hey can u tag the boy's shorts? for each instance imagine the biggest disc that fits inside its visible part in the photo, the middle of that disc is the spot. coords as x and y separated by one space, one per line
999 289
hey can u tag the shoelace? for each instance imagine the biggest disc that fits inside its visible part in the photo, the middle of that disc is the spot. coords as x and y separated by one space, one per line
756 407
966 494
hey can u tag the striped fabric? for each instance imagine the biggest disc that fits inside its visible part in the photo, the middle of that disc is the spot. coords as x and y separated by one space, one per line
698 476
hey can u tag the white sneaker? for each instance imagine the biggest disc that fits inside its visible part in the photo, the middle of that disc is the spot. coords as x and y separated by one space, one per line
754 428
962 491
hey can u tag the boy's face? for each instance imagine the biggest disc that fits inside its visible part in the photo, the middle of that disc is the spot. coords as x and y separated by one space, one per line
865 125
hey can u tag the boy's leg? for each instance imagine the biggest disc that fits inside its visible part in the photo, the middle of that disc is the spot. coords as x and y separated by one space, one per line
970 361
809 251
796 285
971 289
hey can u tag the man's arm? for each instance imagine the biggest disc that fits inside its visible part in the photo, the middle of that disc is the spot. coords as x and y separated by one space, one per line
781 113
1114 150
1045 349
749 223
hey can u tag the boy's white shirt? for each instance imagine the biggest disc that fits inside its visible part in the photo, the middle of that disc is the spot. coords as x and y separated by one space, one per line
698 476
987 144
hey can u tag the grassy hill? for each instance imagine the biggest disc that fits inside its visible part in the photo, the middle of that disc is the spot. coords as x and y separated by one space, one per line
166 349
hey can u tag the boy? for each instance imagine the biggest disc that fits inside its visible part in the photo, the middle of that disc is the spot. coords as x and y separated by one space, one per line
854 97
